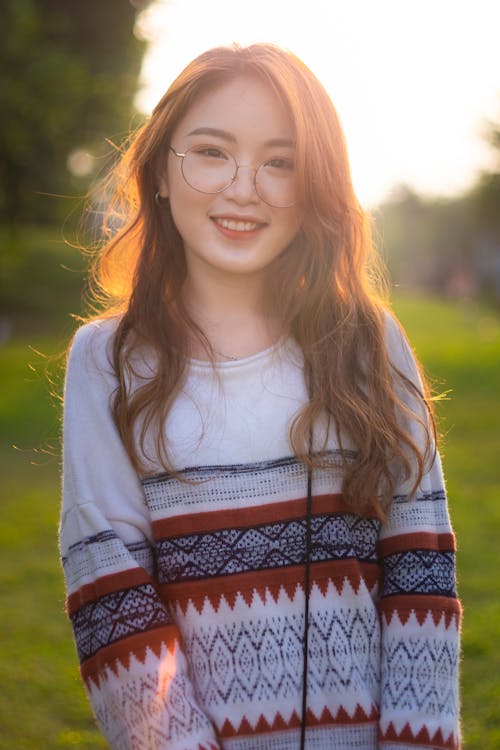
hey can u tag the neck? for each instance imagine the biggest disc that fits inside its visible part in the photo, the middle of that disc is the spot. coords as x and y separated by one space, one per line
230 311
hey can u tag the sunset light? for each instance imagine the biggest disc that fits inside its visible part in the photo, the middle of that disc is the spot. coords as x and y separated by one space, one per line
414 83
249 415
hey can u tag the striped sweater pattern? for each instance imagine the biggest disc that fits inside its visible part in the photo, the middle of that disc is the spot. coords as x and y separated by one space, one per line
191 635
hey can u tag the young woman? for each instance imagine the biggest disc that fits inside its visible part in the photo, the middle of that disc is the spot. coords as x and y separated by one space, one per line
254 528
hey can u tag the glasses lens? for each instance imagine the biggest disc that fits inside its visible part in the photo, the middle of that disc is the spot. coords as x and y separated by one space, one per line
276 182
208 169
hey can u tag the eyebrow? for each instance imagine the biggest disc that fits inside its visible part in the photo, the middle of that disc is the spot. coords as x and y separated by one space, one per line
226 136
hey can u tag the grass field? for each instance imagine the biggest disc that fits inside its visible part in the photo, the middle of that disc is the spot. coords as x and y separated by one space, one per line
43 706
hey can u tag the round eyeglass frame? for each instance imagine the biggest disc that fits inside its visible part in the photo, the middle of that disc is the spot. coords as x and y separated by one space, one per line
233 178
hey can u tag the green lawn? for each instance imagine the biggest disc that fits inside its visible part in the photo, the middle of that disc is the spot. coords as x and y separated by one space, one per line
460 347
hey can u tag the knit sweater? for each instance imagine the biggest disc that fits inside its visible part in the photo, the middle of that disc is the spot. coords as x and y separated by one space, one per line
187 597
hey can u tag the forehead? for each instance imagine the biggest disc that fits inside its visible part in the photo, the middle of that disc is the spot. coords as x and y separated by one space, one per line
244 106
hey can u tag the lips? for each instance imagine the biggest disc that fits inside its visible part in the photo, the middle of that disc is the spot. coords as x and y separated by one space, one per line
235 227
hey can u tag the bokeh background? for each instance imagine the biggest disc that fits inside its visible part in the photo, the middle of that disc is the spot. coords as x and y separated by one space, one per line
417 86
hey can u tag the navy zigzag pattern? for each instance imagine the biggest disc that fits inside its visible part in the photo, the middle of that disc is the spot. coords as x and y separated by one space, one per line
271 545
421 571
115 616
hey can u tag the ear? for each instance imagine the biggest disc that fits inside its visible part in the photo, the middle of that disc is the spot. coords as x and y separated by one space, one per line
163 186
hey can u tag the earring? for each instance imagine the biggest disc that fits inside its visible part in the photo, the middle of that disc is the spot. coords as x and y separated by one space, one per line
158 199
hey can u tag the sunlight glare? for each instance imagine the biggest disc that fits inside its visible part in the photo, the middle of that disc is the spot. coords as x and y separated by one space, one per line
413 83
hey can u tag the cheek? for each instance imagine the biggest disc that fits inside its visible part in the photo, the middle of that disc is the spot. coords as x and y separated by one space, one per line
294 222
183 200
189 213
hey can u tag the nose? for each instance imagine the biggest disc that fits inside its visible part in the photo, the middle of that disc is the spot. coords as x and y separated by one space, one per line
242 189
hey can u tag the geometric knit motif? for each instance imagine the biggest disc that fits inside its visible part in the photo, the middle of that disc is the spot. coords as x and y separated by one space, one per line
273 545
419 571
260 659
188 594
222 604
211 487
118 615
150 696
424 679
101 552
242 650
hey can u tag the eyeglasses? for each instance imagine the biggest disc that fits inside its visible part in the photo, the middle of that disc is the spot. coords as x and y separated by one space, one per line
211 169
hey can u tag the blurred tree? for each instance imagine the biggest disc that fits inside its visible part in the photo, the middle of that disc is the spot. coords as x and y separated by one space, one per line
68 74
486 192
485 202
449 245
424 240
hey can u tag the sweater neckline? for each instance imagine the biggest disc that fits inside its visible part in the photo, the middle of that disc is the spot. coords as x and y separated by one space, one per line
236 364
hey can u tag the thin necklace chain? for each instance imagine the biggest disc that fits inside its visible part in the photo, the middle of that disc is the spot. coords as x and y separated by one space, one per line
230 357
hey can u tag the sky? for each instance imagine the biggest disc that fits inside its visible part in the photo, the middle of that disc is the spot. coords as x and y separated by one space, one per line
414 83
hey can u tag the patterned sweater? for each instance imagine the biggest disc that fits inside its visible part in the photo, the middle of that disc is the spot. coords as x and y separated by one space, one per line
187 597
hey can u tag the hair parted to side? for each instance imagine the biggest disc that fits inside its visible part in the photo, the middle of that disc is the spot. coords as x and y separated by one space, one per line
330 296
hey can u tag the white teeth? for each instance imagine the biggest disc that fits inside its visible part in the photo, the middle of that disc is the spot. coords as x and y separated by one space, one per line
237 226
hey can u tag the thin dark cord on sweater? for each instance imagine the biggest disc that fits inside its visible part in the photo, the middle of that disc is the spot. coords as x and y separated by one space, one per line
306 606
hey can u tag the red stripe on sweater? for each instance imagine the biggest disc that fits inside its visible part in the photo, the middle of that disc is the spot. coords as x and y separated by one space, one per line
343 717
423 738
246 517
269 583
119 653
263 726
417 540
90 592
421 605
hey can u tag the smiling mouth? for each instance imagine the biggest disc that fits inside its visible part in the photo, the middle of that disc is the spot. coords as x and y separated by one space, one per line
237 225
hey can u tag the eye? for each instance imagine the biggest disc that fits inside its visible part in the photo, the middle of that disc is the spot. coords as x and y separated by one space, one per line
211 152
280 162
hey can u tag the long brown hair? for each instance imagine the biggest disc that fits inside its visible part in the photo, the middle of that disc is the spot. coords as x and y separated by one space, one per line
329 299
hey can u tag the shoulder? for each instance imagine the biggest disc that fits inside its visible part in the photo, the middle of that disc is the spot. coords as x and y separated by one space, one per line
90 355
93 342
97 335
399 349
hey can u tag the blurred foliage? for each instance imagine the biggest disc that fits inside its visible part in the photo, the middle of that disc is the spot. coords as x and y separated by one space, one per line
68 75
450 246
42 276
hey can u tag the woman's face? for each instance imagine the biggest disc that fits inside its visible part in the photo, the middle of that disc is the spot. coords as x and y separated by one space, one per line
234 231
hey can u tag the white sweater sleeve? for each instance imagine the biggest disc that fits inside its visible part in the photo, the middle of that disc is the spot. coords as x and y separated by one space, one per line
419 609
129 649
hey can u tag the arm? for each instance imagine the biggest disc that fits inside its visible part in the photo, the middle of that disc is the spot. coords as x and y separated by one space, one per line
420 612
129 649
